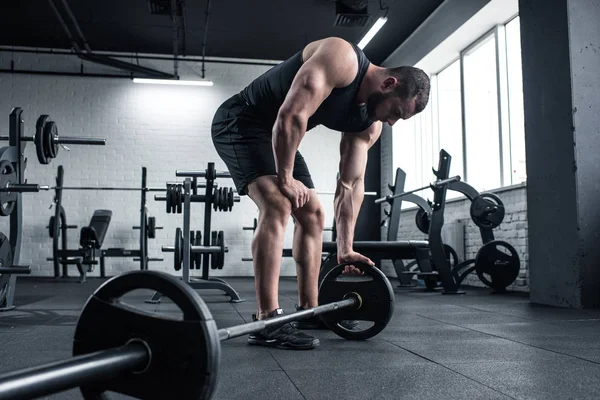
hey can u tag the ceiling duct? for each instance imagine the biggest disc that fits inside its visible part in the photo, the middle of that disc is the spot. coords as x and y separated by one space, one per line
163 7
351 13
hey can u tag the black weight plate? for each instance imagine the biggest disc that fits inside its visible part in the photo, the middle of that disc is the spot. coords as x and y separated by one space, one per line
50 140
173 198
221 255
179 198
178 253
214 261
222 199
198 256
497 264
151 227
422 220
373 288
168 197
487 211
215 199
183 350
6 253
39 139
192 243
51 226
230 198
7 176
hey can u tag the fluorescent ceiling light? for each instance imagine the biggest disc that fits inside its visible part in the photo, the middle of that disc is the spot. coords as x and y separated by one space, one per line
172 82
372 32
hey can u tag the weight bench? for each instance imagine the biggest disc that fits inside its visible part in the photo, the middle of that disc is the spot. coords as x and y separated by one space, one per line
92 236
91 239
401 249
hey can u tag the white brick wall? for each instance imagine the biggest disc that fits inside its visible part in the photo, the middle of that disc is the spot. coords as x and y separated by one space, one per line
512 230
161 127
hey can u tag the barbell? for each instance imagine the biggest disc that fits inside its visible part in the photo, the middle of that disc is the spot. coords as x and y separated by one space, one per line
432 185
47 140
146 356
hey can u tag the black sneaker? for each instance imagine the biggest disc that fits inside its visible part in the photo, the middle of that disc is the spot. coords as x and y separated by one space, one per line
316 322
282 337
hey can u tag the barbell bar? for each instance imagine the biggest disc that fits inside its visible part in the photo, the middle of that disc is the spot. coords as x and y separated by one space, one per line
65 140
333 192
226 174
353 300
432 185
31 187
195 249
201 174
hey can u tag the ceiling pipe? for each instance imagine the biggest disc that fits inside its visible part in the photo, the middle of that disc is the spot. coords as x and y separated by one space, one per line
175 37
205 34
88 55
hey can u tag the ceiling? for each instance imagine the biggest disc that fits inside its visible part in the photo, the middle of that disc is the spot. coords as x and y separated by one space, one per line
253 29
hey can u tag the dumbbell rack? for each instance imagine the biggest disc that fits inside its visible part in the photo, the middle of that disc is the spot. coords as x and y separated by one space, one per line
13 155
205 282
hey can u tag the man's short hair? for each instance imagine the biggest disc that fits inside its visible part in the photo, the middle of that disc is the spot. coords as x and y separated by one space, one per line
412 82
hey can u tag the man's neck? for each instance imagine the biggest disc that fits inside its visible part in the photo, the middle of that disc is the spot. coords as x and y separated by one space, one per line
369 83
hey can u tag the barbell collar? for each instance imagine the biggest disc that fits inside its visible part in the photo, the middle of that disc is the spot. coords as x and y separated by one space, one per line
256 326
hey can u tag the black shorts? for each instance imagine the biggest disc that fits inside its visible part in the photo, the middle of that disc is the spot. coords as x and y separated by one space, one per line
245 145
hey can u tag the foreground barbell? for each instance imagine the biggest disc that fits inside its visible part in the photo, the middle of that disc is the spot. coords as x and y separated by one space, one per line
120 349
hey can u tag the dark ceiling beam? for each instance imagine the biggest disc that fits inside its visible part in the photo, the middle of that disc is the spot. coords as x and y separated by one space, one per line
445 20
88 55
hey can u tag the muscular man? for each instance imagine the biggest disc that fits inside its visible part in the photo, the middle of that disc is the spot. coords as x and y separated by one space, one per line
257 133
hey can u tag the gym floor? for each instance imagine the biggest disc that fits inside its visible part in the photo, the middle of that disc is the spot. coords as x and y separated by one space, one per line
474 346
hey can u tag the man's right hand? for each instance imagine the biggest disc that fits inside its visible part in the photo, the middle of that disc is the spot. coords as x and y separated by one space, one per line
296 192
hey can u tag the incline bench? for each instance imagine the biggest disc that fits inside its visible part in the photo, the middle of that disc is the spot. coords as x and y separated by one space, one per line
91 239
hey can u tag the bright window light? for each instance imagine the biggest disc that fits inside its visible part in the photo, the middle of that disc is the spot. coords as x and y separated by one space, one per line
372 32
172 82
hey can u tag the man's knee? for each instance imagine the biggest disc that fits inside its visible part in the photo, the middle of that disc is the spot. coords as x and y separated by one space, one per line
312 219
278 208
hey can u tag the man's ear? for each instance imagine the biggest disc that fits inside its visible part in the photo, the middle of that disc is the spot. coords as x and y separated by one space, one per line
389 83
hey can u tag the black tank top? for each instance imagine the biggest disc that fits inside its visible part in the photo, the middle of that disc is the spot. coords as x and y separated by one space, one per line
339 111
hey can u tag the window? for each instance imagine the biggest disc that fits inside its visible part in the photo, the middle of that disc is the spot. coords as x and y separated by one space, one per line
515 102
449 118
481 116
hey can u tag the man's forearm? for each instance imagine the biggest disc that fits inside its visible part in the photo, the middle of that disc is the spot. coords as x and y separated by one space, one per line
347 202
287 135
